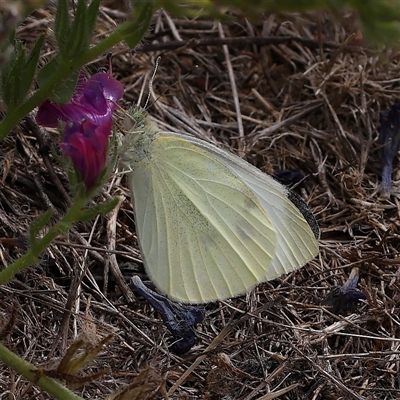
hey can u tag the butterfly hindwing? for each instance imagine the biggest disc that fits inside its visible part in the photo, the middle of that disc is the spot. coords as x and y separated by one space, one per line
296 242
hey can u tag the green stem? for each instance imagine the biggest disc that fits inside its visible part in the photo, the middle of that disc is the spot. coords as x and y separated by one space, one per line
35 375
31 257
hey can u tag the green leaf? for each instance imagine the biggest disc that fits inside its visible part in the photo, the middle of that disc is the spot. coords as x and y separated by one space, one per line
380 20
7 45
46 71
78 40
37 226
6 52
81 30
190 8
63 92
62 26
9 82
92 14
64 227
18 72
29 69
102 209
142 14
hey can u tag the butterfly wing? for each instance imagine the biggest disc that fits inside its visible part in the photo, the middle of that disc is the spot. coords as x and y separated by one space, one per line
295 226
210 225
203 233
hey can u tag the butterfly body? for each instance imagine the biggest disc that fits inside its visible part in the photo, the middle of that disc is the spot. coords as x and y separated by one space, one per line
210 225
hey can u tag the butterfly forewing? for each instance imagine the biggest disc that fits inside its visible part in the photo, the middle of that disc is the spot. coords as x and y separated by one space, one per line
203 234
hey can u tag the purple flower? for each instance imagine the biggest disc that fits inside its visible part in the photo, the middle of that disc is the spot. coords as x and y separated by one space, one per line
345 298
86 144
94 99
88 122
178 318
389 136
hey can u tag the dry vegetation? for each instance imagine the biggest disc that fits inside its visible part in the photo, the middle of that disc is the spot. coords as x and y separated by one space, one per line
289 92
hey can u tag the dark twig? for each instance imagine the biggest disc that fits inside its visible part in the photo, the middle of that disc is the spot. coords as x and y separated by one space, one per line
261 41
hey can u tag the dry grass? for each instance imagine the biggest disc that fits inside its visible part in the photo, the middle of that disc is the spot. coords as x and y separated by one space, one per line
282 94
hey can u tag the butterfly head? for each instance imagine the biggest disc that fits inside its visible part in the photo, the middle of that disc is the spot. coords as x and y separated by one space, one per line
137 121
140 132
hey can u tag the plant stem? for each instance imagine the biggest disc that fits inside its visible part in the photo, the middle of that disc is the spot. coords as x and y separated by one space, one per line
35 375
31 257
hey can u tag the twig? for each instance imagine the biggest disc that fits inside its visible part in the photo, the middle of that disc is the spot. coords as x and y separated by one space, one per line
112 259
193 43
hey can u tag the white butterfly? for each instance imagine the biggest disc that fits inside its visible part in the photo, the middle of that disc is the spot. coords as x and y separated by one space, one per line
210 225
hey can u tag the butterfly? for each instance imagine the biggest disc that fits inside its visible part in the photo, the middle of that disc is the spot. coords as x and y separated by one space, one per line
210 225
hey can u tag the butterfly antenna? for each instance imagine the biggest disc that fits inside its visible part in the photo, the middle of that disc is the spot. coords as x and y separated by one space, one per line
151 81
186 75
166 90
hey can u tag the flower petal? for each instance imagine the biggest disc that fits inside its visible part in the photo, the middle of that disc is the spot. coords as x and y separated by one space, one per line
87 144
88 118
94 100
